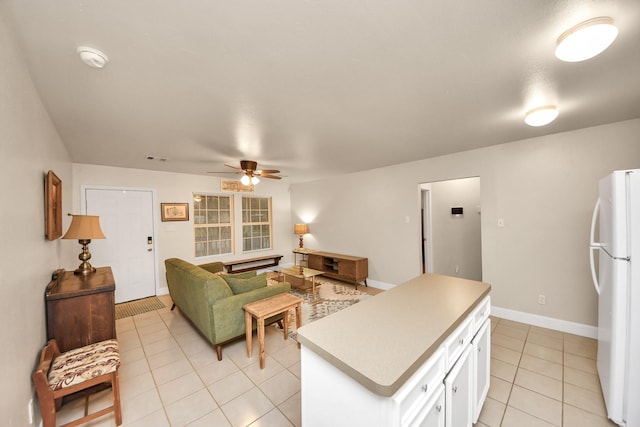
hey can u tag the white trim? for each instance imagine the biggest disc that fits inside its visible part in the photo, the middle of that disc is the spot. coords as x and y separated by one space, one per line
546 322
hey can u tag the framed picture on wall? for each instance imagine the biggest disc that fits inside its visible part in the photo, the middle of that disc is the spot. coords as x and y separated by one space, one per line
174 211
53 206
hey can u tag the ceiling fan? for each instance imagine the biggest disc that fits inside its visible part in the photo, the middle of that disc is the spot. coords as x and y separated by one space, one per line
250 172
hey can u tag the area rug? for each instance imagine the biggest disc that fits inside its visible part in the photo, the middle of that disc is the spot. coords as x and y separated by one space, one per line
329 297
131 308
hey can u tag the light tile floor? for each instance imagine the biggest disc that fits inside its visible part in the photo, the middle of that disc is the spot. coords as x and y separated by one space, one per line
170 376
541 377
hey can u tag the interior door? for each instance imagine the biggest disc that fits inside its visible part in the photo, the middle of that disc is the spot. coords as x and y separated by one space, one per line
126 218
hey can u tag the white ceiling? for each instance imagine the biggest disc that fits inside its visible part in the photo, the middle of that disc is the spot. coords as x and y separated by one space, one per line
316 87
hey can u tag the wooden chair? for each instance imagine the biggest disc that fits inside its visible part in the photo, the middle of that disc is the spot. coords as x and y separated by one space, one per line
60 375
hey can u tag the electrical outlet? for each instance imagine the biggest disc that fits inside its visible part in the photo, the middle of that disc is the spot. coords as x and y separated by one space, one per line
30 411
541 300
457 269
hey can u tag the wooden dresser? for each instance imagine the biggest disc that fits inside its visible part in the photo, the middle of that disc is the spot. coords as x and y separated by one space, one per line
80 309
349 268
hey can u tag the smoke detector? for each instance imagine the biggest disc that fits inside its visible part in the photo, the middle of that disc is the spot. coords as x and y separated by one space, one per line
92 57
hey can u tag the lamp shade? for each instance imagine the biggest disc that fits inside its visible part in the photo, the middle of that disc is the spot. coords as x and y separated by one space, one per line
84 227
300 229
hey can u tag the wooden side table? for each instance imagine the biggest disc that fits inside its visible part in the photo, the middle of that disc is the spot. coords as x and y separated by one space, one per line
80 309
265 308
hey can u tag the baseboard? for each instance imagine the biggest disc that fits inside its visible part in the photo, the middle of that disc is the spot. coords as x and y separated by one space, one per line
380 285
546 322
162 291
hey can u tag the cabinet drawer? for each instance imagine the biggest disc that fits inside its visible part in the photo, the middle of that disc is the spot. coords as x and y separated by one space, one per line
481 313
419 387
457 341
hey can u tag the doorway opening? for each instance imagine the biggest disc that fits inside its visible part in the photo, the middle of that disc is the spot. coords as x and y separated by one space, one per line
451 241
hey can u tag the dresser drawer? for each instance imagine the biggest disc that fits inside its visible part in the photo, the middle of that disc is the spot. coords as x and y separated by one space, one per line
457 341
481 313
412 395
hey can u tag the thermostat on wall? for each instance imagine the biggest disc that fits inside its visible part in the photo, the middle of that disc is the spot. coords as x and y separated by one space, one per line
456 211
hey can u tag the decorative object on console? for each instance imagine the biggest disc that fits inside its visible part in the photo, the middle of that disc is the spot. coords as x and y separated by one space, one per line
84 228
174 211
53 206
301 229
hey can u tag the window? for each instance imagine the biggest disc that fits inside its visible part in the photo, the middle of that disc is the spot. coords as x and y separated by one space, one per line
213 223
256 223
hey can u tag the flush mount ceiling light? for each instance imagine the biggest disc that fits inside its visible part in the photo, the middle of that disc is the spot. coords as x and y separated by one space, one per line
92 57
541 116
586 40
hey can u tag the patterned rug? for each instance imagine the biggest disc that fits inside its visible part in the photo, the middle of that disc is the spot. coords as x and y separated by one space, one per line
131 308
329 297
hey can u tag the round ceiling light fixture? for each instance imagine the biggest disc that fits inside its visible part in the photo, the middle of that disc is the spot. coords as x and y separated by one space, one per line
92 57
586 40
541 116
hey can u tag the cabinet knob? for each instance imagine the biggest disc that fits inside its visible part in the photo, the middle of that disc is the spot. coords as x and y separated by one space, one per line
425 387
149 250
455 388
439 408
461 341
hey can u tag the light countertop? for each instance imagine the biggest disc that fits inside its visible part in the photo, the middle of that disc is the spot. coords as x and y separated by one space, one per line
381 341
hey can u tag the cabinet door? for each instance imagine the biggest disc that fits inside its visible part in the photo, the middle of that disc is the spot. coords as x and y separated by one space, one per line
315 262
481 350
459 392
432 413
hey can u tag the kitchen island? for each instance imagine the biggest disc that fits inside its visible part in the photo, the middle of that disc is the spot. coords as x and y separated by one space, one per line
386 360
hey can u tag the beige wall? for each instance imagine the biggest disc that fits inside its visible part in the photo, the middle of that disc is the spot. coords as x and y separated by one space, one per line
544 189
175 239
29 147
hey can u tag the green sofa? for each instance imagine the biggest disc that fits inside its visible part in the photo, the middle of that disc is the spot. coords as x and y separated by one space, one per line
214 302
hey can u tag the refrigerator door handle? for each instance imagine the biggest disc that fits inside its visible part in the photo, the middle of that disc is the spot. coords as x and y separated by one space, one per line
594 246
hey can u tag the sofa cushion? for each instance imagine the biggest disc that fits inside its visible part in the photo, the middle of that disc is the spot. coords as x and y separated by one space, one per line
243 275
240 285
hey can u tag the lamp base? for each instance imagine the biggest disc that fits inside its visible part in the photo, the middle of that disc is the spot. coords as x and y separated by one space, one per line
84 269
301 244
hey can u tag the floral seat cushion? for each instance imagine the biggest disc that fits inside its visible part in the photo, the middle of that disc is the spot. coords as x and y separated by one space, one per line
81 364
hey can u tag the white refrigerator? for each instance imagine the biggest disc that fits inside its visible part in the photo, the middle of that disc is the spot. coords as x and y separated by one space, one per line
617 282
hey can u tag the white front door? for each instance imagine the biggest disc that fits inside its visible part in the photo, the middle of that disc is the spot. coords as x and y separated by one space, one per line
126 218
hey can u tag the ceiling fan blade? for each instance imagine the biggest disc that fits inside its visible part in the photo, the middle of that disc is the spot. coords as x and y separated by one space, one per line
233 167
271 176
226 172
267 171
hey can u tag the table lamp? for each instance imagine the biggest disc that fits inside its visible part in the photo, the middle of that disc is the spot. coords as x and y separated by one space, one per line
300 229
84 228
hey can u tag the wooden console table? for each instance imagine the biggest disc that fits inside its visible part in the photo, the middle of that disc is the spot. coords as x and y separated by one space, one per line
349 268
80 309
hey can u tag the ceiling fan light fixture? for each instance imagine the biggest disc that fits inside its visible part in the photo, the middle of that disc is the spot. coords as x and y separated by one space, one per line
254 180
586 40
541 116
93 57
245 180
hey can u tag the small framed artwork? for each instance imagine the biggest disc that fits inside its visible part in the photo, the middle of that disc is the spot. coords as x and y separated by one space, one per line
174 211
53 206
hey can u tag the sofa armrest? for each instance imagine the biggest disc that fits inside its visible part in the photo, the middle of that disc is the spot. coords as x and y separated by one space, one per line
228 314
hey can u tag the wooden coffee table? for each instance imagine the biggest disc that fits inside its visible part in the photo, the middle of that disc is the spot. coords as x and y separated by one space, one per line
265 308
303 273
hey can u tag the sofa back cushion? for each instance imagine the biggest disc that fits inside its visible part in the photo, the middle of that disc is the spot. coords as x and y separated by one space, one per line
241 285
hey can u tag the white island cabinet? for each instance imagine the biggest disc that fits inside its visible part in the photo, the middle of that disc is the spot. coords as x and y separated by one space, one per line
416 355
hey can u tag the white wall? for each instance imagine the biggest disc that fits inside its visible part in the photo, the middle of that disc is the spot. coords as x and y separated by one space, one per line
29 147
456 240
175 239
544 189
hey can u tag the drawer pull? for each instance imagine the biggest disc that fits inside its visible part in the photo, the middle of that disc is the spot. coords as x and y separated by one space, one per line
439 408
455 388
461 341
425 387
